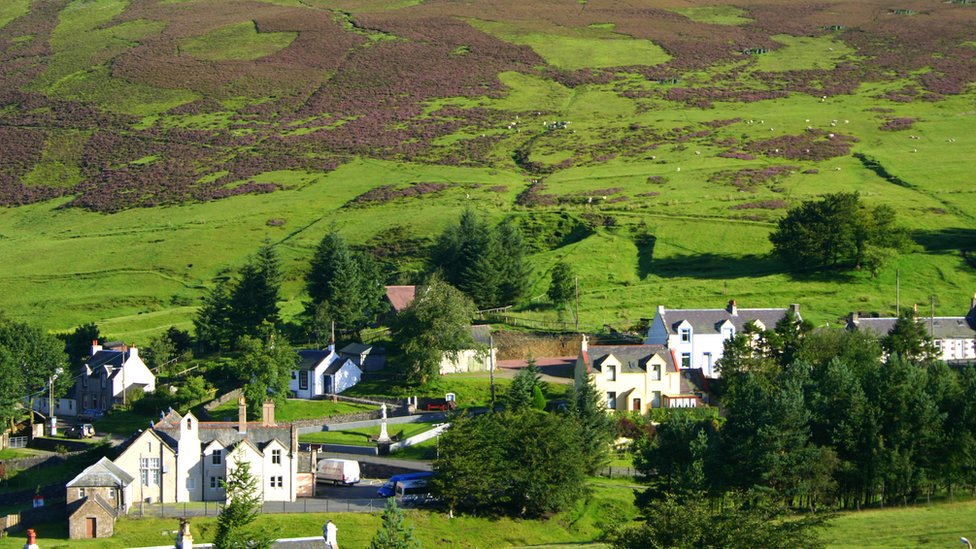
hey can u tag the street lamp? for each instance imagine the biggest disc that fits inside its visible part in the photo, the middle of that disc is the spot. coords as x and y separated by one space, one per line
50 402
966 542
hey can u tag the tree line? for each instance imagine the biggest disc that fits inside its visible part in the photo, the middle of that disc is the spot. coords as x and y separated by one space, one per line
813 420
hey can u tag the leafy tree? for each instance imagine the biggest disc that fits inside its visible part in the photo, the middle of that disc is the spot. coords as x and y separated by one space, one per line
589 408
193 390
394 532
212 322
264 367
436 324
562 285
675 461
739 522
908 338
11 389
837 230
476 472
243 506
77 344
38 355
344 286
254 299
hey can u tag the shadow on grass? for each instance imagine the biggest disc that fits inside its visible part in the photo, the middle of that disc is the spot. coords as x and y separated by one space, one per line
954 238
716 266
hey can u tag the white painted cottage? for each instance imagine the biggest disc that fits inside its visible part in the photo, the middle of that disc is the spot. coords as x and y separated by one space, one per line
697 336
323 372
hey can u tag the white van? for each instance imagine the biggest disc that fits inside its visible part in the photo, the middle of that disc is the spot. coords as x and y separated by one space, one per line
338 471
412 492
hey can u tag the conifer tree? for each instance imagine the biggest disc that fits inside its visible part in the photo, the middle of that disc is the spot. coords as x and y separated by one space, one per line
212 322
254 300
243 506
394 532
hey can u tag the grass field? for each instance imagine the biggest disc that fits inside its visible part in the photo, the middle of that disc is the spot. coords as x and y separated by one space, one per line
295 409
362 436
637 156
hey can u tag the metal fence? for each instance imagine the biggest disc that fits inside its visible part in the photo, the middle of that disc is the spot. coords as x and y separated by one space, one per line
302 505
18 442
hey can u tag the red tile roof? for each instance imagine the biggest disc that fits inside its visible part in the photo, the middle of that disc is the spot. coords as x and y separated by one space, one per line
400 296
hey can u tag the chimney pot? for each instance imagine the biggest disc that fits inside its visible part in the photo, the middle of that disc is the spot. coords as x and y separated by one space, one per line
733 310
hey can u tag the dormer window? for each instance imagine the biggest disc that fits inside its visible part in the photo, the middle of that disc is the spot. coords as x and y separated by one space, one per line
685 335
611 373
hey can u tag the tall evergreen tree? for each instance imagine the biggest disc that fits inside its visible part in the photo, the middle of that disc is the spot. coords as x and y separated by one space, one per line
344 286
254 299
394 532
909 338
243 506
589 408
519 394
212 321
510 261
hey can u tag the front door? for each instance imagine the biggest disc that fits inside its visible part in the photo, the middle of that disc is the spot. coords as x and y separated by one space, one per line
90 527
327 384
637 405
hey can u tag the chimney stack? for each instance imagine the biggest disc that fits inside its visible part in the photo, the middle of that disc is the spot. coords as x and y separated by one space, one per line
733 310
95 347
855 318
267 413
583 344
795 307
242 415
973 303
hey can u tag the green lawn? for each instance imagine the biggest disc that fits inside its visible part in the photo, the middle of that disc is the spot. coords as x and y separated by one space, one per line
471 389
426 450
123 422
939 525
295 409
361 436
14 453
581 525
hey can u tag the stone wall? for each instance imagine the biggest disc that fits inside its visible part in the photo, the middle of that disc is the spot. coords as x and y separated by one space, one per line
77 522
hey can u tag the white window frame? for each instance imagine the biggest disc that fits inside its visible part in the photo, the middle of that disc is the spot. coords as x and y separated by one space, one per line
612 400
276 457
611 372
216 457
686 360
303 380
685 335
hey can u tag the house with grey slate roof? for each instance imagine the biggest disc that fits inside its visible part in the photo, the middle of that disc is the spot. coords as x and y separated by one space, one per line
697 336
323 372
640 377
95 498
110 372
954 336
181 458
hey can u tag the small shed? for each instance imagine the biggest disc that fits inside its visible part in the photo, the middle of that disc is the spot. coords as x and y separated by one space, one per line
91 517
96 497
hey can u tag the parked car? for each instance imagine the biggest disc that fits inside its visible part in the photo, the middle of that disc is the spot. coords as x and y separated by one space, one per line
91 414
413 493
388 489
85 430
338 471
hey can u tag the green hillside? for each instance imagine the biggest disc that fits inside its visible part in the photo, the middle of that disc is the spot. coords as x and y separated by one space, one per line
151 146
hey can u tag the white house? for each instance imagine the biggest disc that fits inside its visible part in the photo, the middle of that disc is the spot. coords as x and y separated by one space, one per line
697 336
182 459
101 382
954 336
479 359
321 373
640 377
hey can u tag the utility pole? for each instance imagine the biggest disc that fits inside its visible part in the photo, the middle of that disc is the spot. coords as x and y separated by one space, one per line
491 371
50 406
577 303
897 292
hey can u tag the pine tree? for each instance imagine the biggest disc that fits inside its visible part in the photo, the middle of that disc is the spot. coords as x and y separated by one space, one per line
562 284
519 393
510 262
589 408
908 338
212 321
254 300
243 506
344 286
394 533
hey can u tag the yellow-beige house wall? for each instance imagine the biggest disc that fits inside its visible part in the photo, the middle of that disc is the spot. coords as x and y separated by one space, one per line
147 486
648 387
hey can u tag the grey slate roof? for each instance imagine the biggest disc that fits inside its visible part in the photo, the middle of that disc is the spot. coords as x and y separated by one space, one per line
310 358
941 327
78 504
709 321
109 357
356 349
633 358
103 473
224 432
693 381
